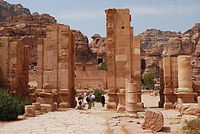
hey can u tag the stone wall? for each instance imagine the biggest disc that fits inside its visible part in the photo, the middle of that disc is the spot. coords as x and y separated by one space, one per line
14 66
91 78
55 69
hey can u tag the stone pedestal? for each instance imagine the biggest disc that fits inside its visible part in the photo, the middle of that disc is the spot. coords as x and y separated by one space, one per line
198 100
185 92
168 104
132 106
29 111
111 101
64 98
121 105
169 79
140 105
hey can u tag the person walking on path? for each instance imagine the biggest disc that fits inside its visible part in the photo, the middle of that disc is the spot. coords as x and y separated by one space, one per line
89 101
93 99
103 100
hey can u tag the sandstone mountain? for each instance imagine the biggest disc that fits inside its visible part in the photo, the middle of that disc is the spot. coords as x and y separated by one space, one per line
10 10
98 45
83 52
156 44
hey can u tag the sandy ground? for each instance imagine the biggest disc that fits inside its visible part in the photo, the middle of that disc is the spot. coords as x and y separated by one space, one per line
98 120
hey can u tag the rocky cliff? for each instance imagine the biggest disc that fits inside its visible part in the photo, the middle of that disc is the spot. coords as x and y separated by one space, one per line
156 44
83 52
27 28
9 10
98 45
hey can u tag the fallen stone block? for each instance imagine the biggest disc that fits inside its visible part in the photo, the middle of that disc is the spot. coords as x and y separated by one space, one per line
29 111
37 106
153 120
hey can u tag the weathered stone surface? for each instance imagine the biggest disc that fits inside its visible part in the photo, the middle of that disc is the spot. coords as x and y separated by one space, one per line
188 109
37 106
9 10
123 58
153 120
98 45
153 41
14 66
56 67
29 111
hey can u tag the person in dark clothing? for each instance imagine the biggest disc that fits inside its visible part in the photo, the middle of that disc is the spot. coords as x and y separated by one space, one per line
80 101
89 101
103 100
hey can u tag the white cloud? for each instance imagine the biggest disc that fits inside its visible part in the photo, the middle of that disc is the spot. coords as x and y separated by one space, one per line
81 15
164 10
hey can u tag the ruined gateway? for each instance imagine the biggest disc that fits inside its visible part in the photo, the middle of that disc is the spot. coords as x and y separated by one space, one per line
56 69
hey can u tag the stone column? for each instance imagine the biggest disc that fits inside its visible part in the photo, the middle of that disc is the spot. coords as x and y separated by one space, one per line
185 92
132 106
168 91
162 99
121 105
111 69
136 68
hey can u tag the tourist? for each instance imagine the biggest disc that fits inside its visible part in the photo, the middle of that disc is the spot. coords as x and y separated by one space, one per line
89 101
93 99
80 102
103 100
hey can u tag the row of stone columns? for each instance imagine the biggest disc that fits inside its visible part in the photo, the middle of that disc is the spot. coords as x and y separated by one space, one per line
177 79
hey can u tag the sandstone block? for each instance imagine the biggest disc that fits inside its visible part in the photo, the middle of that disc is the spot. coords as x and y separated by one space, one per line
198 99
63 105
153 120
29 111
190 109
37 106
47 108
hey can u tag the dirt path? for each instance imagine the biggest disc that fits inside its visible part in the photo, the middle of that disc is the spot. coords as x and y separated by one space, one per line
98 120
60 122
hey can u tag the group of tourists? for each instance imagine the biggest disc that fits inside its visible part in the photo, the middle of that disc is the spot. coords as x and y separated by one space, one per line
90 99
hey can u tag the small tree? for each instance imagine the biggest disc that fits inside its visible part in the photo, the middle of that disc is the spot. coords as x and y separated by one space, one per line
98 94
149 79
103 66
10 107
192 126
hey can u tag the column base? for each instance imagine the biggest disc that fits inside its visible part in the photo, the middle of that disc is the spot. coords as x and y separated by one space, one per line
121 109
111 105
64 105
161 104
168 105
132 108
140 106
186 97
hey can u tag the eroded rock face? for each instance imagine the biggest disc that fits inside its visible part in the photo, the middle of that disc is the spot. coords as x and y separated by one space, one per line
27 28
98 45
153 41
82 50
8 10
153 120
156 44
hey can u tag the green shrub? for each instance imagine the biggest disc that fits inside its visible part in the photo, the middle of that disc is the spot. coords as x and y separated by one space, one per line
98 94
149 79
192 126
103 66
10 107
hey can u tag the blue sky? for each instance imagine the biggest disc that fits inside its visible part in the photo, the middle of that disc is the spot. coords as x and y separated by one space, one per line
89 16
